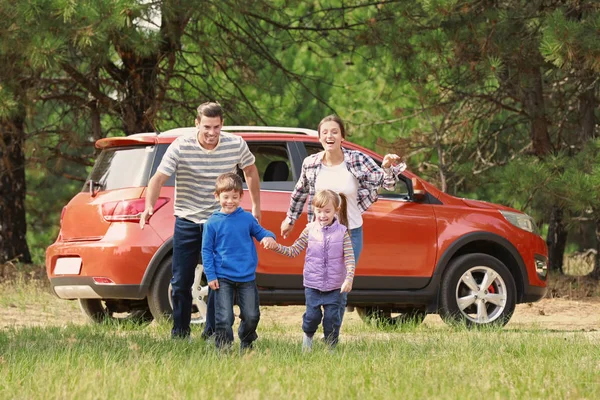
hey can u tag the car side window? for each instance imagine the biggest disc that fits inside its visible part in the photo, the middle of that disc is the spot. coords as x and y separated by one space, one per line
400 191
273 164
312 148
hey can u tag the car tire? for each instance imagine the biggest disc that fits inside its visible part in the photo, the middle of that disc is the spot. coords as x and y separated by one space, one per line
97 311
384 316
159 295
477 290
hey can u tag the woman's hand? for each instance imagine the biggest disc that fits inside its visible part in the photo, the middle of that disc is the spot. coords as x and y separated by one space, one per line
391 159
286 228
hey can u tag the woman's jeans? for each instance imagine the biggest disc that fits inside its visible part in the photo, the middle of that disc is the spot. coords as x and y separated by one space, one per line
245 295
330 301
356 236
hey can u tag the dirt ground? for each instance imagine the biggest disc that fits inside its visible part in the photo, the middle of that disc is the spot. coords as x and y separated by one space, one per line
551 314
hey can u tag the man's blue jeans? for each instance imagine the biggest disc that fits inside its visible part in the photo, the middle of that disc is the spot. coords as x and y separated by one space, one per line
245 295
356 236
330 301
187 248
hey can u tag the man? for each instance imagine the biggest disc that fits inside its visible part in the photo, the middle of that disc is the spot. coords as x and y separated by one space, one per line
197 161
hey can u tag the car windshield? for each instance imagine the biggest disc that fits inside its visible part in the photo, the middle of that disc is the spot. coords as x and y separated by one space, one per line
117 168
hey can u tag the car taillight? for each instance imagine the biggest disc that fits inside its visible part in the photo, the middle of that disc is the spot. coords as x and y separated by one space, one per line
103 281
128 210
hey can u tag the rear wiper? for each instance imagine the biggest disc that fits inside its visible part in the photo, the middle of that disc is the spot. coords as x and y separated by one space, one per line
93 184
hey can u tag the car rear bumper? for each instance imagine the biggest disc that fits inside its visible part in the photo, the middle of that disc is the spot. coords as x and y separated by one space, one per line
85 288
118 262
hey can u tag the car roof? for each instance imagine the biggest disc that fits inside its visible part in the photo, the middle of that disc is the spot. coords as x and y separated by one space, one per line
169 136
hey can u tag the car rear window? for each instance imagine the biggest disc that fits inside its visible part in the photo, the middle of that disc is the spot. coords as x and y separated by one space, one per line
117 168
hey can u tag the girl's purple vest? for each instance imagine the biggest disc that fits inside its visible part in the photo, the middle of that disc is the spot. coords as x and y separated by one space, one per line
324 267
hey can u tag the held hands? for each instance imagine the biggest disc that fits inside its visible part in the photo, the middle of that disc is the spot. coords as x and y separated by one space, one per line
391 159
269 243
346 287
146 214
213 285
286 228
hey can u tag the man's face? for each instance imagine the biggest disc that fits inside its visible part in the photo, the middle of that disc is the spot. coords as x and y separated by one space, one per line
209 129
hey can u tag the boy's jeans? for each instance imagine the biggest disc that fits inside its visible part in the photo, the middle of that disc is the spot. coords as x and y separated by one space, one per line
246 296
187 248
330 301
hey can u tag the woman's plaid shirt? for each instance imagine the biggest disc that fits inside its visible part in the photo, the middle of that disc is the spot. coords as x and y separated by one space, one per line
369 175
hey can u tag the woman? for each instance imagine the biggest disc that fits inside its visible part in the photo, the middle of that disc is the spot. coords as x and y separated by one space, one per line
350 172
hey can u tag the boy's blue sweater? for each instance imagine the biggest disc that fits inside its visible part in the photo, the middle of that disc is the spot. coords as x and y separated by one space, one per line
228 250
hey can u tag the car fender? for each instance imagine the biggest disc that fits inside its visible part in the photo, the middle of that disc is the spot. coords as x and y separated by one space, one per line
163 251
462 242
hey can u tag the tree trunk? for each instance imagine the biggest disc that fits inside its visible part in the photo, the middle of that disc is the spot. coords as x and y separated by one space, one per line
139 105
556 240
587 107
13 224
595 274
533 99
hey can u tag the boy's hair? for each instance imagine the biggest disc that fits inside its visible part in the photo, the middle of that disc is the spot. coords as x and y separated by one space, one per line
227 182
210 110
339 201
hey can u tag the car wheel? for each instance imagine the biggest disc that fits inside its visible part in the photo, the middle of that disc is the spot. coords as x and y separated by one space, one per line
99 311
477 290
385 316
159 296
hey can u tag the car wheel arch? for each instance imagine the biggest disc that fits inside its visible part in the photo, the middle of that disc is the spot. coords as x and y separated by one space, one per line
485 243
164 251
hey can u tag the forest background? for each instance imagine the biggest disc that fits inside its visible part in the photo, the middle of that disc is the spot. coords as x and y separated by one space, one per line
492 100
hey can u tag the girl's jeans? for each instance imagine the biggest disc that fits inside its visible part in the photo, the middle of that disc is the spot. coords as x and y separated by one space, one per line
330 315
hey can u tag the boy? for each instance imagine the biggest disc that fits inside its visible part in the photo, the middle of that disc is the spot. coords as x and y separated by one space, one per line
230 261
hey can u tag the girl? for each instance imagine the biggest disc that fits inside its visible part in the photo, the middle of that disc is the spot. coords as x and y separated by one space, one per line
328 268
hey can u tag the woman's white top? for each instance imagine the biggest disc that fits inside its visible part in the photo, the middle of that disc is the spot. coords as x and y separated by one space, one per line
340 180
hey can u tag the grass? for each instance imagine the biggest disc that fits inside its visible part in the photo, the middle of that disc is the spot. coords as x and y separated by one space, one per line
63 358
58 355
88 362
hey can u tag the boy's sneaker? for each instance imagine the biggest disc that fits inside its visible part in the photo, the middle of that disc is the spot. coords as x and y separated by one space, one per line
307 342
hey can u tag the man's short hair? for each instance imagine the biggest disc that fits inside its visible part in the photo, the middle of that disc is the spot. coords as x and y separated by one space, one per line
211 110
227 182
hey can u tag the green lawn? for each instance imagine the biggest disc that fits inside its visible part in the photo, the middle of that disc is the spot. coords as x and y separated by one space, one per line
81 361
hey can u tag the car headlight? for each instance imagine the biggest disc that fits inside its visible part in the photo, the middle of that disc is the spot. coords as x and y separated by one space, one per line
520 220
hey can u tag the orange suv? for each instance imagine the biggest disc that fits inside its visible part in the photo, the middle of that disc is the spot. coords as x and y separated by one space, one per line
424 250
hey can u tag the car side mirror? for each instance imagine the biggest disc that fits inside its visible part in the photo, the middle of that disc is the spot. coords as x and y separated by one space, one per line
418 189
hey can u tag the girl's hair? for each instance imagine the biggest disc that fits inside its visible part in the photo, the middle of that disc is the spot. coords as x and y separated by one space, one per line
339 201
335 119
228 182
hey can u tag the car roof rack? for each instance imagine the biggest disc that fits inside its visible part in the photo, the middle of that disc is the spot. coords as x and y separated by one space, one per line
239 128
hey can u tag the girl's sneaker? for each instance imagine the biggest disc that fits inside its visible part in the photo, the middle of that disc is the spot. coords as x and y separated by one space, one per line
307 342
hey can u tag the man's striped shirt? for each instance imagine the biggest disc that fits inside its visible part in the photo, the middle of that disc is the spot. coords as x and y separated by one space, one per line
196 170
